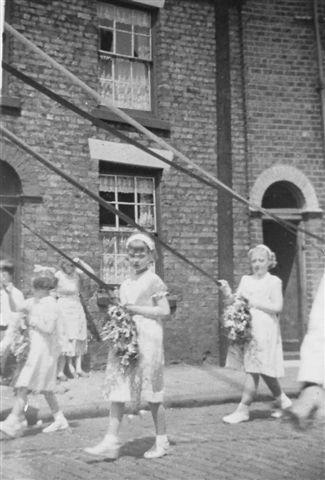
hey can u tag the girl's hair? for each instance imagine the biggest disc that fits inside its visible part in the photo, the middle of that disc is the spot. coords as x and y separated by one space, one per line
271 255
64 263
44 281
7 266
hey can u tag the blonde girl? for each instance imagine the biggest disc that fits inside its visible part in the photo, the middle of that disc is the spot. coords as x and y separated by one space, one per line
143 295
263 356
39 371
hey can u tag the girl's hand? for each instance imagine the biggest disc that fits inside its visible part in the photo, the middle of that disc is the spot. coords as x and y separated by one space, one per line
131 308
224 287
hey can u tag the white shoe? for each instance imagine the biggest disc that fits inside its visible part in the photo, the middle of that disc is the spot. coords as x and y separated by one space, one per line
13 427
60 423
157 451
109 447
283 403
236 417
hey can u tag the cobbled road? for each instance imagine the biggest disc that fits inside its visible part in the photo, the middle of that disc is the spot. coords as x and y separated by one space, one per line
203 448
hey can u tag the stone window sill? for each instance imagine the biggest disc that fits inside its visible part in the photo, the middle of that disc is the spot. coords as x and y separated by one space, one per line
146 119
10 105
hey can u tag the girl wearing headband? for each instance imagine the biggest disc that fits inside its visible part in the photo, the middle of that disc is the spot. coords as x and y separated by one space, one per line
262 356
143 295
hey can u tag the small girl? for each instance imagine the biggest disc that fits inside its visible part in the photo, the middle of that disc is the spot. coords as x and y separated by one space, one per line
262 356
143 295
73 323
39 371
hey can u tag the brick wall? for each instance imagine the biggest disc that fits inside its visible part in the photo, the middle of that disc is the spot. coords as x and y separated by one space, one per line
275 120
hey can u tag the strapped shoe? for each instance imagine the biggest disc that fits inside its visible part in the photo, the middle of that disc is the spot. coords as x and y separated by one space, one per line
109 447
60 423
236 417
157 450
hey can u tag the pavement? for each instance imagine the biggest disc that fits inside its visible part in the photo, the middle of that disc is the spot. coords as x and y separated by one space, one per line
185 386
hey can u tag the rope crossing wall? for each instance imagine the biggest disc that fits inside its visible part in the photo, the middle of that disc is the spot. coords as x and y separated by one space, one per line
131 121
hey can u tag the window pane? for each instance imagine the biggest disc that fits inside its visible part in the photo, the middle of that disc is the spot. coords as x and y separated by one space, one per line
105 66
142 47
144 30
107 183
141 86
122 70
146 216
129 210
105 10
125 184
106 40
123 15
123 94
109 244
106 218
141 18
123 43
123 26
145 184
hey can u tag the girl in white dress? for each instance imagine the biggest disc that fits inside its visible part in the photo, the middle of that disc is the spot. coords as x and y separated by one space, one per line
73 323
39 371
143 295
262 356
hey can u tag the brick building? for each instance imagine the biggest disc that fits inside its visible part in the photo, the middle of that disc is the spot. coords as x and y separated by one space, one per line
233 85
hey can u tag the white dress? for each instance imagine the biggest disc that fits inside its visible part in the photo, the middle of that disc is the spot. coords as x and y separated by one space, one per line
263 354
146 380
39 371
312 352
73 323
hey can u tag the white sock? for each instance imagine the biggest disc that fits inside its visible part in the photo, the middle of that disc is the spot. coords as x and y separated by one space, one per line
110 438
284 400
242 408
161 440
58 415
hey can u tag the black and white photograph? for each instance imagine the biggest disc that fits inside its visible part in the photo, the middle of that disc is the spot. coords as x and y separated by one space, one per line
162 239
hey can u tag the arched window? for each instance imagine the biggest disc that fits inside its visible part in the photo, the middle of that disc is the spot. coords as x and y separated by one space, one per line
282 195
10 199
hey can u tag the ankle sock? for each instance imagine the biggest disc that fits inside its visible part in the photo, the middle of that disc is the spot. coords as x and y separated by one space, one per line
161 440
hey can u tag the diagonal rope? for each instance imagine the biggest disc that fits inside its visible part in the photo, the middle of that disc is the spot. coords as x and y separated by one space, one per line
292 228
103 101
13 138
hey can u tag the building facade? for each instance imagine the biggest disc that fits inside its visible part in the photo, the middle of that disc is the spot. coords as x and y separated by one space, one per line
232 85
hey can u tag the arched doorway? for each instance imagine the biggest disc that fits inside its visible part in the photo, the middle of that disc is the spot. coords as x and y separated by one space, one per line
285 200
10 198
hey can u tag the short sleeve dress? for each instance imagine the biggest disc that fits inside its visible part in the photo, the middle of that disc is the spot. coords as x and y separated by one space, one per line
263 354
73 323
39 371
146 381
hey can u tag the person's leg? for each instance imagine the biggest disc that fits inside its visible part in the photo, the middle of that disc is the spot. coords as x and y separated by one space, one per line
15 423
71 367
282 401
241 414
160 448
109 447
60 422
61 364
79 369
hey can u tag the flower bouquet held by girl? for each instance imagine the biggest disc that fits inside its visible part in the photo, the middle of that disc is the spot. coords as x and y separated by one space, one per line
121 333
237 321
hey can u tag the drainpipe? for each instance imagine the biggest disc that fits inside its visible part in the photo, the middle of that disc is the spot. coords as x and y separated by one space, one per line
320 69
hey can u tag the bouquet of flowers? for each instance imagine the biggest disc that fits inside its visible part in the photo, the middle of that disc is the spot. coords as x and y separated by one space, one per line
121 333
237 321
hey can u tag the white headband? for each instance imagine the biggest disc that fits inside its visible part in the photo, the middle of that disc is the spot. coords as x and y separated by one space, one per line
142 238
40 268
264 247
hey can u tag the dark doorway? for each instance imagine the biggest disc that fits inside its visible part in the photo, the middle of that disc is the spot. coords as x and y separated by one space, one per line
285 200
10 199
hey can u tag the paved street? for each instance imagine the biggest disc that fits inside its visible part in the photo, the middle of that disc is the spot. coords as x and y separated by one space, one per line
203 448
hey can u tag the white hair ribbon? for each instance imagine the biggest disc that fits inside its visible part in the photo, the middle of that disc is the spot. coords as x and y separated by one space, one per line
142 238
